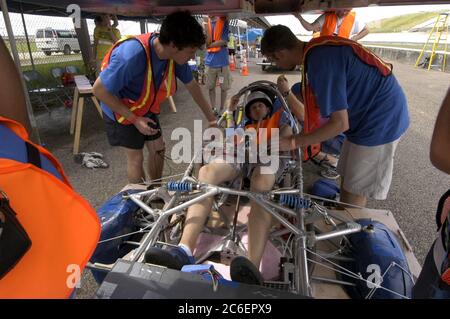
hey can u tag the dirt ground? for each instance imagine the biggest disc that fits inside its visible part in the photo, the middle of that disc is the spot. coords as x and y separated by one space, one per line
416 185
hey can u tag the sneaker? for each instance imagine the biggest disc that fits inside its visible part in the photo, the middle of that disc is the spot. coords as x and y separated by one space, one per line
93 162
243 270
330 173
94 154
173 258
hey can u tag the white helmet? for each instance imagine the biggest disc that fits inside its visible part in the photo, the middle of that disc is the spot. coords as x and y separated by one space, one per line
257 96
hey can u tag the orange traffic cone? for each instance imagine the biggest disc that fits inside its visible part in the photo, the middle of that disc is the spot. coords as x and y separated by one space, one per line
244 69
232 66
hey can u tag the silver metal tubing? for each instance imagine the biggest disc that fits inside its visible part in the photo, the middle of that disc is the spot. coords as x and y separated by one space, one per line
280 218
151 237
334 256
352 228
229 191
301 275
142 205
280 208
332 281
135 243
336 202
285 191
99 266
188 171
143 193
279 233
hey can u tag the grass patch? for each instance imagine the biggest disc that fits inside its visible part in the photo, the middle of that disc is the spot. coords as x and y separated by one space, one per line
401 23
22 46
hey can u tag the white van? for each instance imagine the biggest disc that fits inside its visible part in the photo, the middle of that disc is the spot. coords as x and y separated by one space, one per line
50 40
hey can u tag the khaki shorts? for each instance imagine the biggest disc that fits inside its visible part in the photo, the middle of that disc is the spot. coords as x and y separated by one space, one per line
212 74
367 170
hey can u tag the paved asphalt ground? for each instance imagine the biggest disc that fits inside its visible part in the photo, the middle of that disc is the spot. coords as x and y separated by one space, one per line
415 189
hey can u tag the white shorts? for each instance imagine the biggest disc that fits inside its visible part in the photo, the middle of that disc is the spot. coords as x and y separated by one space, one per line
367 170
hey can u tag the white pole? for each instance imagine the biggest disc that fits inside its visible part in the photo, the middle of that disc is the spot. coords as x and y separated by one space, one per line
248 47
239 37
12 43
240 46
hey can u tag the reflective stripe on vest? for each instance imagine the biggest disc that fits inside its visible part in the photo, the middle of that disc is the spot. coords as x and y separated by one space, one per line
105 42
218 30
312 111
329 25
63 227
149 100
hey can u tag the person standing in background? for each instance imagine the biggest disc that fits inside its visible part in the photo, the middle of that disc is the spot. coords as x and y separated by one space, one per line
340 22
105 35
231 47
216 60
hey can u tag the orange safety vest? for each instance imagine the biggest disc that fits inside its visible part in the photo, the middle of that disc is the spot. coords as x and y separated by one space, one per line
218 30
63 227
269 123
312 111
329 25
150 99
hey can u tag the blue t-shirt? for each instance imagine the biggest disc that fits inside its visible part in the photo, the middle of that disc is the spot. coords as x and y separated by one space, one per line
220 58
124 76
13 147
376 105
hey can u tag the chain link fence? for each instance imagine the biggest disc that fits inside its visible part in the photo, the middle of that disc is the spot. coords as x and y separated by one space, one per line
48 49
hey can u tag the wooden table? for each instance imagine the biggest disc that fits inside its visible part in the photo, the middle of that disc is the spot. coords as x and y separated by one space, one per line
83 89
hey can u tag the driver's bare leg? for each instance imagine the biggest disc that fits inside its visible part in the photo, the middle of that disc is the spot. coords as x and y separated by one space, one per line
259 221
213 173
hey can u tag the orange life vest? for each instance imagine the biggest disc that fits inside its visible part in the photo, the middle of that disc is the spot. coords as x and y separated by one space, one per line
217 34
329 25
150 99
63 227
269 123
312 111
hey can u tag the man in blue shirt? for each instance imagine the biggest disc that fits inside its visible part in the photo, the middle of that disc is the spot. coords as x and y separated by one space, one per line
122 81
217 60
369 107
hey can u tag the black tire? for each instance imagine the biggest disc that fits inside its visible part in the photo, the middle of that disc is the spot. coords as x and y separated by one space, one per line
76 51
48 53
67 49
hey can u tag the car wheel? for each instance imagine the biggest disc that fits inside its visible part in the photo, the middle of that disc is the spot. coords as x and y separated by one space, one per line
76 51
48 52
